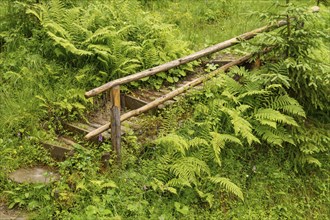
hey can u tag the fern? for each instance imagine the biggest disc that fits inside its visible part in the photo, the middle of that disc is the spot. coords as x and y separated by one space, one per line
179 182
288 105
274 136
174 144
228 185
241 126
189 168
218 143
275 116
107 36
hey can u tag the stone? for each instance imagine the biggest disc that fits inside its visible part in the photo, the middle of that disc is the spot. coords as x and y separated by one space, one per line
34 175
11 214
315 9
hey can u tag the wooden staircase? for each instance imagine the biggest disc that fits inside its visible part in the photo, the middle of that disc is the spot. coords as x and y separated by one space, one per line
143 100
63 145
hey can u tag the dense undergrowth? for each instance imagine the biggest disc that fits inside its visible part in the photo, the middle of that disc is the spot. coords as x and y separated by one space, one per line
251 145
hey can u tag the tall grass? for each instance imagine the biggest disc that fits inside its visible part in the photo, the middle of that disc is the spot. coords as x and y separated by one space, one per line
207 22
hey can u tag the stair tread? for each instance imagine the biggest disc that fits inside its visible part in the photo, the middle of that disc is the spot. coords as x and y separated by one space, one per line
59 148
58 143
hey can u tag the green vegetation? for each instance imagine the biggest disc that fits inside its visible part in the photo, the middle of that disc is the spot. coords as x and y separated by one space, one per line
250 145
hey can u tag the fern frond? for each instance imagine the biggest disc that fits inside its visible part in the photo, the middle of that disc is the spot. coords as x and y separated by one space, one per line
228 185
101 35
57 9
243 108
178 182
241 126
308 159
174 143
189 168
57 30
161 170
218 143
68 45
275 116
273 136
270 123
288 105
253 93
39 15
231 96
312 160
198 142
232 86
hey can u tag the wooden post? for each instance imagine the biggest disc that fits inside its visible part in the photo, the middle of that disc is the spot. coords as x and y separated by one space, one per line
288 26
115 121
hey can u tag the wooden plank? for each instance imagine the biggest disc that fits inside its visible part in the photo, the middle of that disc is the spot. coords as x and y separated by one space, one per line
183 60
115 121
57 150
131 102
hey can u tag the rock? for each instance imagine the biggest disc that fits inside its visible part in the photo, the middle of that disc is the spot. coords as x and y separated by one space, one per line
315 9
34 175
10 214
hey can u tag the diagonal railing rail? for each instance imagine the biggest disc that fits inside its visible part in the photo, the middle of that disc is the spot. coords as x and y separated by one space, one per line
114 86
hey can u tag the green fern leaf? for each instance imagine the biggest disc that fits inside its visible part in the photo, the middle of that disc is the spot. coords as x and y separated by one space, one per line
241 126
68 45
178 182
174 143
197 142
228 185
189 168
243 108
273 136
275 116
218 143
252 93
288 105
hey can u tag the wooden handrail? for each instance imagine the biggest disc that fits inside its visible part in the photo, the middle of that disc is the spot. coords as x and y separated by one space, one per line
184 60
168 96
116 118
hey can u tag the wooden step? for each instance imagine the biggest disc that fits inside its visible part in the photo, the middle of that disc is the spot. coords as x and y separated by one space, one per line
84 128
60 148
131 102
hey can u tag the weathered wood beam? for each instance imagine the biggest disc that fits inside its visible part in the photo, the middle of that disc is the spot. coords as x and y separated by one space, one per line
115 121
184 60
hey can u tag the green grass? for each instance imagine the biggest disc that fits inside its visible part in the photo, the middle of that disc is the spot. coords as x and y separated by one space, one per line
207 22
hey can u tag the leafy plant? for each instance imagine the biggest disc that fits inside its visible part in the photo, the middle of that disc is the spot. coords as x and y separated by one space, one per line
185 163
294 54
113 40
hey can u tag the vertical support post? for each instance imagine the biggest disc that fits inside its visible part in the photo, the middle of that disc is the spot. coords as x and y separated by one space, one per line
288 26
115 121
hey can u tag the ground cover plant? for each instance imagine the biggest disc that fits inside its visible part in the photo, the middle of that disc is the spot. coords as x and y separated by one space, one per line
250 145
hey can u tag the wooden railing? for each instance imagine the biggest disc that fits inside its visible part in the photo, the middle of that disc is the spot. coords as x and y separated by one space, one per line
114 86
